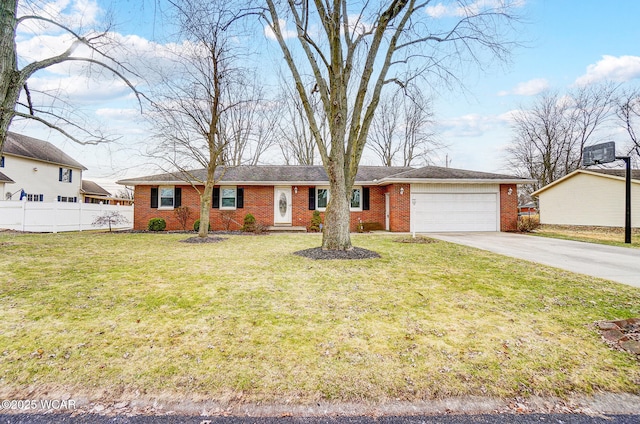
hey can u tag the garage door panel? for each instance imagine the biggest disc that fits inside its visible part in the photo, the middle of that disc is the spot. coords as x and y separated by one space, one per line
435 212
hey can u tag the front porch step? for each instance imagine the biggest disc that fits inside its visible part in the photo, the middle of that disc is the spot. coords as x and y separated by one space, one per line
286 229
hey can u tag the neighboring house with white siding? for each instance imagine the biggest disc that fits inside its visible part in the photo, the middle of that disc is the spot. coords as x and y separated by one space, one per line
594 197
38 171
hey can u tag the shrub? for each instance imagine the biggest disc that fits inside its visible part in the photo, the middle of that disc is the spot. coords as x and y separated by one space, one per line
196 226
316 220
528 223
183 213
260 229
157 224
249 223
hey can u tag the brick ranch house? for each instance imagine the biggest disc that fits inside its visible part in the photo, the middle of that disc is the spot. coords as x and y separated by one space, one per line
399 199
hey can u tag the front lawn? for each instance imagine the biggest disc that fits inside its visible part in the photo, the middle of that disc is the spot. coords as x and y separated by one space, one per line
113 316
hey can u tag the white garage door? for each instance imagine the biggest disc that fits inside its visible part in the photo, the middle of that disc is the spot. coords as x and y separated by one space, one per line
436 212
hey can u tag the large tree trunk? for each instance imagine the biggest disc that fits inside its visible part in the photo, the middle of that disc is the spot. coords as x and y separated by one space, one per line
9 76
206 197
336 233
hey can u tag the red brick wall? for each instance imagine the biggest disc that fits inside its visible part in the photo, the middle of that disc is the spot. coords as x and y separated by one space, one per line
258 200
399 207
508 207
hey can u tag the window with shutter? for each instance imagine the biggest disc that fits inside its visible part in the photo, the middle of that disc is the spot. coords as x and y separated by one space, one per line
312 198
365 198
216 198
240 198
177 197
154 197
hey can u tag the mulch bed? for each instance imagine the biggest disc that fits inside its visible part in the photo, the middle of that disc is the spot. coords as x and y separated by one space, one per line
208 239
417 239
356 253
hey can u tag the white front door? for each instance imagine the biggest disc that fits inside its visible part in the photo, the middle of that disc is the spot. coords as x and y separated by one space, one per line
282 206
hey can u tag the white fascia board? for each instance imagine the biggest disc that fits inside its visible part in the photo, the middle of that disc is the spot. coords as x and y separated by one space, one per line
452 181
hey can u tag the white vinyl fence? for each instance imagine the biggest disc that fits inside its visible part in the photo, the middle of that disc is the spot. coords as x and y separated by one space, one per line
53 217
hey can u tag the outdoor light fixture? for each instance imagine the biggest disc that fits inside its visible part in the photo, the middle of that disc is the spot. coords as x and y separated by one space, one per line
35 169
509 191
401 190
295 190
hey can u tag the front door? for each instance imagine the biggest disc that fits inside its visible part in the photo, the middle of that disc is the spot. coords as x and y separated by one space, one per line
282 206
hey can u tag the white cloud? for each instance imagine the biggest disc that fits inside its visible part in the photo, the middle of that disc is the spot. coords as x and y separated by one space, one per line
70 13
286 33
441 10
611 68
528 88
472 125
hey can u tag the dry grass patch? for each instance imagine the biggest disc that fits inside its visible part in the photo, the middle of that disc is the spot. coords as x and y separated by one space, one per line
602 235
247 319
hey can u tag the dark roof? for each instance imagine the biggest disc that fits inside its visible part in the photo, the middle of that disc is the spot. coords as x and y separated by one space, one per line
89 187
269 173
5 179
29 147
440 173
635 173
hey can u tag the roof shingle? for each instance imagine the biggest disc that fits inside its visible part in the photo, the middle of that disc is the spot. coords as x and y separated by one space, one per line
89 187
5 179
316 174
29 147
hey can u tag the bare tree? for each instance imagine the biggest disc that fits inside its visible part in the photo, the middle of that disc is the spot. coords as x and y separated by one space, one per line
627 110
16 98
296 141
352 50
384 130
110 219
550 136
402 127
201 89
248 128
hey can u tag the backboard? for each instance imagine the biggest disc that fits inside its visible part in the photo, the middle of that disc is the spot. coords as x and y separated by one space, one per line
599 153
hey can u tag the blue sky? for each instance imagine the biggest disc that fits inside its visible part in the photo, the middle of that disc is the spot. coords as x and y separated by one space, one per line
567 42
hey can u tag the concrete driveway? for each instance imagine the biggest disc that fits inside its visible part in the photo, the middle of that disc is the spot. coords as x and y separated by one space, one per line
618 264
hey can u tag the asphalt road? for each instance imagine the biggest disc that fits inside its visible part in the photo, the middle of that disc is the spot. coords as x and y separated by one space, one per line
429 419
620 264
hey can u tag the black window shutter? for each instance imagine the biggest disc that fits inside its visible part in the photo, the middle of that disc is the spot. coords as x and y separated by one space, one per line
42 197
59 174
154 197
312 198
365 198
177 197
216 198
70 173
240 198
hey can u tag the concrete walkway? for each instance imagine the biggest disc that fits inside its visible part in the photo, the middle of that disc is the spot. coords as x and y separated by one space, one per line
614 263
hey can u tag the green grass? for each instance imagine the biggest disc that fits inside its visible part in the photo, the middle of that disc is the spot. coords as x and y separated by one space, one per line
599 235
105 315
